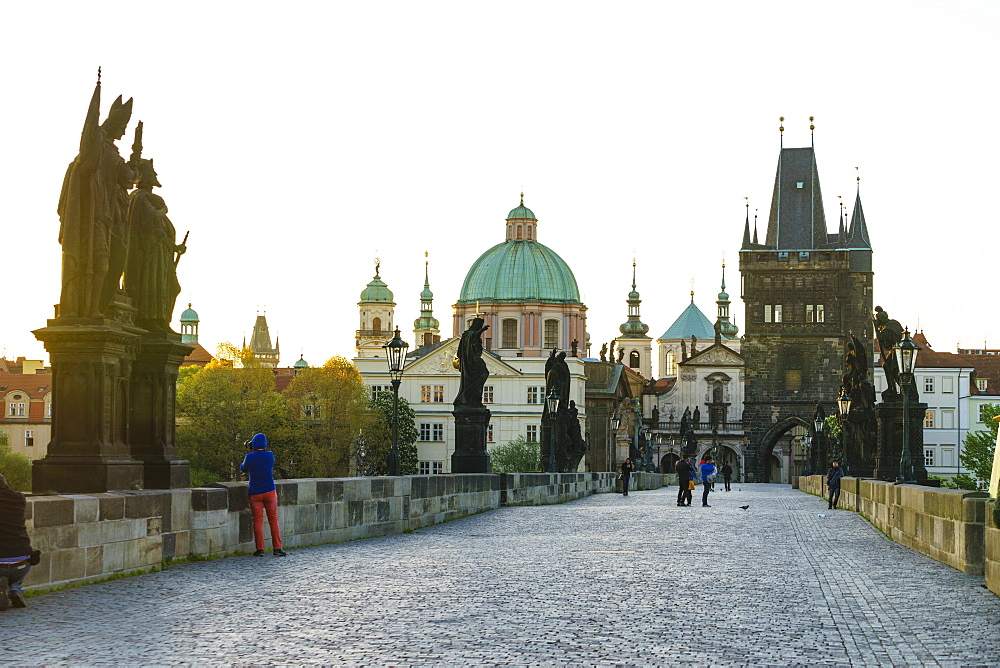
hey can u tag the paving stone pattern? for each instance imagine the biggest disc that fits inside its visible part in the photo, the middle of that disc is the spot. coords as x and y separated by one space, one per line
607 580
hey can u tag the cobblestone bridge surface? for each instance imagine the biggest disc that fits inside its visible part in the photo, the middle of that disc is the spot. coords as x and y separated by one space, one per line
607 580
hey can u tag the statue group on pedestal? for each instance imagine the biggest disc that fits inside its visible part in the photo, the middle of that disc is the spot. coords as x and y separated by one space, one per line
107 232
569 442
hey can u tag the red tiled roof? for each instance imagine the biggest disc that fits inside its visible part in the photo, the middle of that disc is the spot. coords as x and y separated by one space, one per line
36 386
197 357
663 385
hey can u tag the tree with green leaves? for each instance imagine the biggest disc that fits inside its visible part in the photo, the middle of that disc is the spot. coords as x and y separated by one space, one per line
14 466
219 408
379 436
331 403
978 446
517 456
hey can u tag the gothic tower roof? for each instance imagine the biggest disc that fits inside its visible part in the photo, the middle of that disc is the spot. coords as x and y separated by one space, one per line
857 236
691 322
796 220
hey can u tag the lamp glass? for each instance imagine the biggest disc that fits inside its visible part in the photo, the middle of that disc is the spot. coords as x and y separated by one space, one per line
818 424
395 354
553 402
844 403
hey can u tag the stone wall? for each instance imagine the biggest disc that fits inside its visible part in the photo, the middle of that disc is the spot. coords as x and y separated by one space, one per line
991 565
944 524
86 537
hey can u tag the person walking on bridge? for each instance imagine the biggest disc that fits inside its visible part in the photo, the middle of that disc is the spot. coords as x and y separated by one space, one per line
259 466
707 474
833 477
16 555
727 474
684 478
626 474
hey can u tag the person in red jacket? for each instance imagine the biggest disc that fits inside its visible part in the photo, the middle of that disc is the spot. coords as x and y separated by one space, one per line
16 555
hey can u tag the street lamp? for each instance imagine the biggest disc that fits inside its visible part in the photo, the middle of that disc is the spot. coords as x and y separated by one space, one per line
806 460
361 461
638 421
648 450
906 359
844 406
395 356
616 422
552 403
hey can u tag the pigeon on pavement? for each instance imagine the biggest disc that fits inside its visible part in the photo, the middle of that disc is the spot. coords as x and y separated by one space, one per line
744 507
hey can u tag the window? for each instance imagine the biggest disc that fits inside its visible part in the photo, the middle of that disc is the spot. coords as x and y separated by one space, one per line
437 432
671 364
772 312
488 394
633 359
928 384
815 313
439 394
982 384
29 438
532 433
799 184
929 420
509 333
929 457
981 416
48 409
947 418
518 231
425 394
307 410
535 395
948 385
425 468
437 467
15 410
793 379
489 433
551 334
377 324
425 431
379 388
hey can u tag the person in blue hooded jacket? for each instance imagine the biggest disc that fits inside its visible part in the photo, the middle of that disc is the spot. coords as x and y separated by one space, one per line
259 467
707 470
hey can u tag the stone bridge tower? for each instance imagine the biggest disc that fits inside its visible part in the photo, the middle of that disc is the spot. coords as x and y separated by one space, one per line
804 291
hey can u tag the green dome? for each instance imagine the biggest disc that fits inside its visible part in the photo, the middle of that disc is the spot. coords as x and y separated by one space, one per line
189 315
519 271
377 291
521 211
301 363
427 295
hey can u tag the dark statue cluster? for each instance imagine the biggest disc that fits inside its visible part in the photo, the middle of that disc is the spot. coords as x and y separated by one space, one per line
471 417
114 356
569 443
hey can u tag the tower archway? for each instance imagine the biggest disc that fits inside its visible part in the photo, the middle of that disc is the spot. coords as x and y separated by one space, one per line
771 465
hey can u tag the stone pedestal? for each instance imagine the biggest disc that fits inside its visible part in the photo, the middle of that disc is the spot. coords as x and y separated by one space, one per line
889 416
151 420
470 440
91 374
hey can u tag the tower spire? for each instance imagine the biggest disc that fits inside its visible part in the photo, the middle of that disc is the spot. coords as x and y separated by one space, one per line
426 328
746 227
812 130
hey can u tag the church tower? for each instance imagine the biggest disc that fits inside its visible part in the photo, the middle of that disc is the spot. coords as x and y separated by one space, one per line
426 328
805 290
726 328
189 325
638 347
376 309
260 344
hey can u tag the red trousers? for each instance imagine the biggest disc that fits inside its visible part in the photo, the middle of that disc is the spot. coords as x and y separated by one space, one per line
268 501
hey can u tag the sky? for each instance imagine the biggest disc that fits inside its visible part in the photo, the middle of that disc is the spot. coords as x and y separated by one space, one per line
299 141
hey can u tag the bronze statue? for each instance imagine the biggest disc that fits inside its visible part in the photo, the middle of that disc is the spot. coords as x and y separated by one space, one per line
611 351
151 271
621 355
889 333
471 364
93 209
574 346
860 427
604 352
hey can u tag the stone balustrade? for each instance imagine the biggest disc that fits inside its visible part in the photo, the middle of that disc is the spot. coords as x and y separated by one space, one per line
954 526
87 537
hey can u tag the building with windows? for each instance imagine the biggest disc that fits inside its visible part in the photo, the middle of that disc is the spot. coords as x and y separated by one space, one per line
26 404
529 297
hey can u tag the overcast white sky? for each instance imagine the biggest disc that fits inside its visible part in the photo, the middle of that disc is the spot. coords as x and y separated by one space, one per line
298 141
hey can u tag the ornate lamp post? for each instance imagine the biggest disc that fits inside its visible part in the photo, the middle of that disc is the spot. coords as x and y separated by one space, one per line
616 422
819 423
906 359
638 422
361 461
552 403
395 356
647 453
844 406
806 460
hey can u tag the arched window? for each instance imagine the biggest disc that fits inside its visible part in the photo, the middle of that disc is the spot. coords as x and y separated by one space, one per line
551 334
377 324
671 365
633 359
508 333
518 231
428 339
529 232
717 392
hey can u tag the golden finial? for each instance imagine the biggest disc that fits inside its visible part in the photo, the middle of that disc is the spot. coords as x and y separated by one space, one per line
747 200
811 126
378 263
858 172
781 128
522 198
98 75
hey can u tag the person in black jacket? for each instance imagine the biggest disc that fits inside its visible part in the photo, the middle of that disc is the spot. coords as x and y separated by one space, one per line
833 477
16 555
727 475
684 471
627 468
